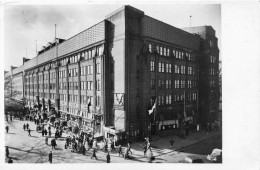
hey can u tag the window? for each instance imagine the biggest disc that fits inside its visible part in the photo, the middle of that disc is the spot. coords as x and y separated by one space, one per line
157 49
182 83
164 51
75 85
89 85
161 67
168 68
168 52
176 84
83 85
82 71
90 70
161 51
98 85
189 84
150 47
152 66
161 84
169 99
176 69
98 68
168 84
98 100
152 84
182 69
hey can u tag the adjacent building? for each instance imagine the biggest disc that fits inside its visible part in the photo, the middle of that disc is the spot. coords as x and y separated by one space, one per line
128 76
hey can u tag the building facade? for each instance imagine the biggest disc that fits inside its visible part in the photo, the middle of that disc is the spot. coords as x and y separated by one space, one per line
129 76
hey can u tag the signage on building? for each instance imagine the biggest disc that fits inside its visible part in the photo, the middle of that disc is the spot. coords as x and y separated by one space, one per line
119 119
119 101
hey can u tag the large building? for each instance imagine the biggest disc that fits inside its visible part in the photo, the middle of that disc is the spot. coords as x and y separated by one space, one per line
129 75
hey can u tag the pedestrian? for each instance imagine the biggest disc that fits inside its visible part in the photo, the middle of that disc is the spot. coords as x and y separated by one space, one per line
150 155
45 132
27 126
24 126
83 150
120 151
49 133
46 140
29 132
108 158
42 132
171 142
145 150
50 157
10 161
11 118
129 148
7 129
7 151
113 147
94 154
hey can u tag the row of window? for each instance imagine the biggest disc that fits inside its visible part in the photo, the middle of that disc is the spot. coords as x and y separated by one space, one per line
88 54
165 51
165 67
177 84
166 100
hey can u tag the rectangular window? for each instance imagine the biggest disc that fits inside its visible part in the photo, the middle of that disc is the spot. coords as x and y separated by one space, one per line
164 52
182 69
90 70
98 68
168 52
89 85
98 85
168 68
176 84
152 84
177 69
150 47
152 66
182 83
161 51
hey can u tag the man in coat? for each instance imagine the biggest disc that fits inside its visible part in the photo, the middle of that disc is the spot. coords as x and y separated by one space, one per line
120 151
27 126
108 158
50 157
94 154
29 132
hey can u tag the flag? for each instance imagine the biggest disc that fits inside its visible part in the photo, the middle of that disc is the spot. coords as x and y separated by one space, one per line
154 106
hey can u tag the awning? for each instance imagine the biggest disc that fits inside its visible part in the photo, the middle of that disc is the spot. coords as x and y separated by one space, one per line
113 131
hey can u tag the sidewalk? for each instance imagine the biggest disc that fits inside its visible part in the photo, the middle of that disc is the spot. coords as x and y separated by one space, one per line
33 149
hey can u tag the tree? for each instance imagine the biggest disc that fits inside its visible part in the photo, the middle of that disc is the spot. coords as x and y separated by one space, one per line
10 94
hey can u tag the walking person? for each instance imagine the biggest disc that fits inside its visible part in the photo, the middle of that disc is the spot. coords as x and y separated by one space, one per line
27 126
120 151
145 150
94 154
49 133
24 126
83 150
129 148
29 132
171 142
46 140
113 147
108 158
50 157
7 151
42 132
7 129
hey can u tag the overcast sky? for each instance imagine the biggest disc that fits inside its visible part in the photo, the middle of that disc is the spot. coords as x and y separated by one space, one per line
24 24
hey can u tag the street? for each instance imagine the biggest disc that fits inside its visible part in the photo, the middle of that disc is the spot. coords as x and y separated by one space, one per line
26 149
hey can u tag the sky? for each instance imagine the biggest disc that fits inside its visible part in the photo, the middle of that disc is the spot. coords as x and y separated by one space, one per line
28 25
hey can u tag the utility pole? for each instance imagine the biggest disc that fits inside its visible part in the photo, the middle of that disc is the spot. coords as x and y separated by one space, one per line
190 20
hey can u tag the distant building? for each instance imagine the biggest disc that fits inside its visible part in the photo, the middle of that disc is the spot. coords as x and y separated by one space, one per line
107 78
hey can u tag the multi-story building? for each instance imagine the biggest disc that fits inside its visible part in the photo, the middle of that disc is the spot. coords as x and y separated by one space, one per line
107 78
